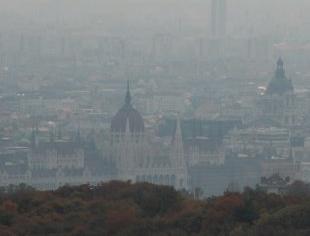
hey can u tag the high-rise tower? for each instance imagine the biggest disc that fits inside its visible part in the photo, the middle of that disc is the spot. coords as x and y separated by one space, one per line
218 18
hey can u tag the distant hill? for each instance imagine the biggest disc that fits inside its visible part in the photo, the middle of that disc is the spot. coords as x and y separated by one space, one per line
122 208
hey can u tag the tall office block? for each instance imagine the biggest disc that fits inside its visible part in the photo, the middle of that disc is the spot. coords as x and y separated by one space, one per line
218 18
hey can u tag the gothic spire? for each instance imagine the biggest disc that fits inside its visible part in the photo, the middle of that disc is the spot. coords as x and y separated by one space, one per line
280 72
177 143
128 95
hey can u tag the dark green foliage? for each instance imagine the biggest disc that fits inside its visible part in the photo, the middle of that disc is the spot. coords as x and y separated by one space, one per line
122 208
154 200
6 218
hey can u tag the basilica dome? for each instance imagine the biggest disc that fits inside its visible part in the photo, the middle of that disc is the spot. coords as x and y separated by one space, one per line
127 115
279 84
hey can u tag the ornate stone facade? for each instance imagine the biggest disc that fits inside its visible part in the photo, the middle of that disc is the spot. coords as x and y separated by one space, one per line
132 152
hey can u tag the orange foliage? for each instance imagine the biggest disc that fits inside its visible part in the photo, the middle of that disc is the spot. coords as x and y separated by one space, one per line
5 231
189 207
119 208
9 206
229 202
120 218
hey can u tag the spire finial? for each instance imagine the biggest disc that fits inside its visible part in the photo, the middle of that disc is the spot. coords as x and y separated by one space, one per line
128 96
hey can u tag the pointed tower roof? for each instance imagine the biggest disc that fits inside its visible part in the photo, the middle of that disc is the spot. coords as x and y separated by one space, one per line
127 117
128 95
279 83
177 142
178 133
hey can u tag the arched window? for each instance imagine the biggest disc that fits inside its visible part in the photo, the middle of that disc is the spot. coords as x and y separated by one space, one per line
181 182
161 179
143 178
173 180
155 179
167 180
149 179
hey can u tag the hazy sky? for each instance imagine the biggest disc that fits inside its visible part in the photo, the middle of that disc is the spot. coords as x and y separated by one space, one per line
260 16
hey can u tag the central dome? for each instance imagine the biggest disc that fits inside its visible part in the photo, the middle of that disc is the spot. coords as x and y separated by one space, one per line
279 84
127 114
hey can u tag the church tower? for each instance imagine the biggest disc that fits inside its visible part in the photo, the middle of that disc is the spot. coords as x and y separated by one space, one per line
177 146
127 139
277 105
177 158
